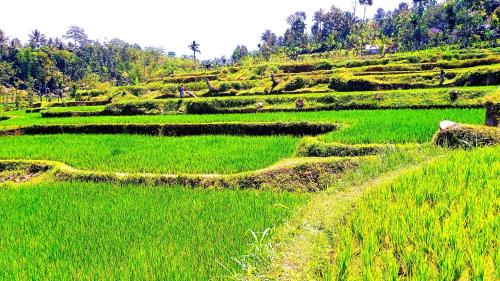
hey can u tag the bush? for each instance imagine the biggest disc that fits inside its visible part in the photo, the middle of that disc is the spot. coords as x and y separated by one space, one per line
347 83
63 114
133 108
189 79
295 84
479 77
78 103
252 129
466 136
493 109
311 147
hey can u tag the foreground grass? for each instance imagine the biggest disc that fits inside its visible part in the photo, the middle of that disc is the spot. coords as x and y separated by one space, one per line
68 231
364 126
439 222
135 153
302 248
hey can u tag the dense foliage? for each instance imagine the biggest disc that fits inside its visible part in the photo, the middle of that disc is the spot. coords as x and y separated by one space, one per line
51 65
55 66
425 24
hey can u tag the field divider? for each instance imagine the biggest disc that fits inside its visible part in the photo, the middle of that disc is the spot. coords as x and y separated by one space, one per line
247 129
296 174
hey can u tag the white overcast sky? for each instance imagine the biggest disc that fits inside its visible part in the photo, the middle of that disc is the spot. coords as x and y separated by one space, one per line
218 25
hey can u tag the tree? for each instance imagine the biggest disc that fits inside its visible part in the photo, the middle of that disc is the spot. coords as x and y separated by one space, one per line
3 44
37 39
295 36
195 48
365 4
318 19
78 35
239 53
331 29
419 25
3 37
269 38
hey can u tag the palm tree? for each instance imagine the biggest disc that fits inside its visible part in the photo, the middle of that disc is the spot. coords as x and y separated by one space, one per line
37 39
365 4
3 38
195 47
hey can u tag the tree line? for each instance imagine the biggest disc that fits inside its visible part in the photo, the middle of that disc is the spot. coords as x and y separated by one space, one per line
55 66
423 24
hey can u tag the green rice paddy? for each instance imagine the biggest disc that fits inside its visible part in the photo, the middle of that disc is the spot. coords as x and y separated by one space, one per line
363 126
152 154
439 222
84 231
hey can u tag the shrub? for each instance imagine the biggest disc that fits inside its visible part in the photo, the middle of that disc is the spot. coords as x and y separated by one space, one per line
295 84
311 147
79 103
250 129
133 108
297 68
324 65
189 79
62 114
479 76
493 109
466 136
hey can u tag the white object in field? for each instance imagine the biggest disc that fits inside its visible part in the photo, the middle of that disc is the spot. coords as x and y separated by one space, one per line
447 124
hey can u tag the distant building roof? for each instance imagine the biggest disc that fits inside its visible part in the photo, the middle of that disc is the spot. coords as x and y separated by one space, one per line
372 47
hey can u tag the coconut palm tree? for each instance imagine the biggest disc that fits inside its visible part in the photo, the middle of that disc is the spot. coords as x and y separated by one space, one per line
3 38
37 39
195 47
365 4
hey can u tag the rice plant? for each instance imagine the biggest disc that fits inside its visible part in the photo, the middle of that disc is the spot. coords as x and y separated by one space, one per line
149 154
83 231
362 126
437 223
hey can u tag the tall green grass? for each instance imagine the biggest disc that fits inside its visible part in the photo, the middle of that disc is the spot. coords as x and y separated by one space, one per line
439 222
364 126
84 231
135 153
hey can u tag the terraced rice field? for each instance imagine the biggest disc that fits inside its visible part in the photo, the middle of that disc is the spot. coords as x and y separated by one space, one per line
363 126
439 222
76 230
150 154
395 212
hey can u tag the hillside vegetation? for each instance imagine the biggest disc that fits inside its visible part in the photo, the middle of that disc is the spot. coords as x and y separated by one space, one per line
336 170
